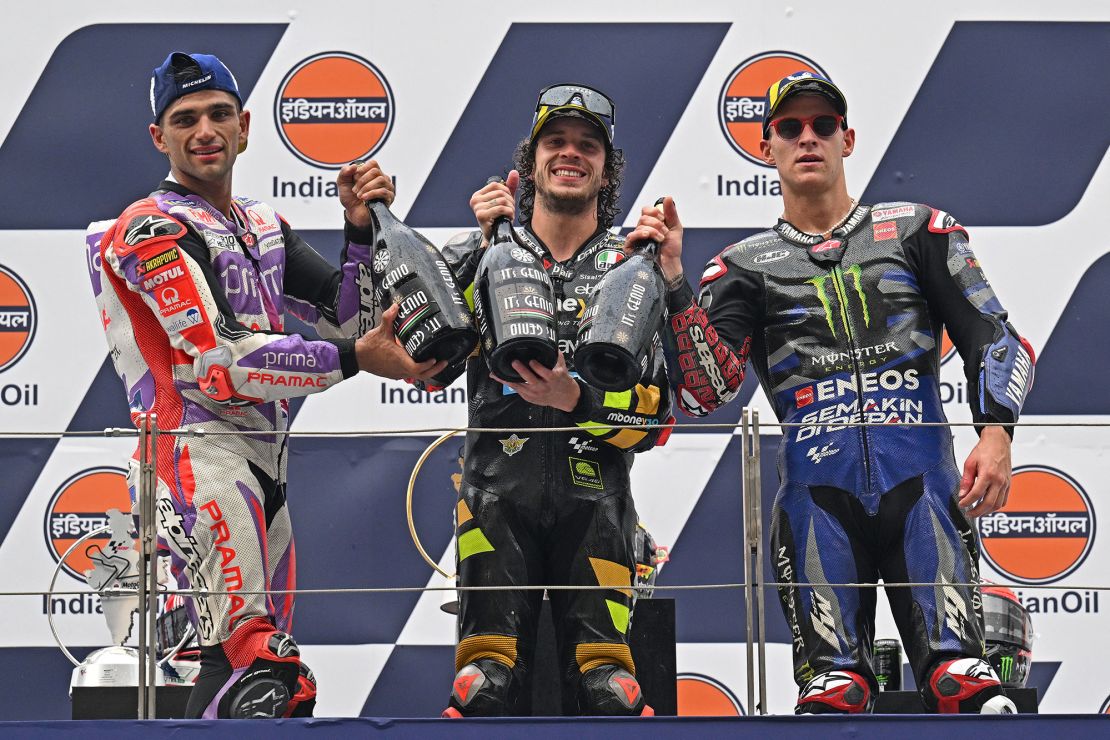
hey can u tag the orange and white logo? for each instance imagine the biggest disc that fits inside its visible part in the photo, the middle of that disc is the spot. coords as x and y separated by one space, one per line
78 507
744 95
1045 530
333 108
947 348
18 318
703 696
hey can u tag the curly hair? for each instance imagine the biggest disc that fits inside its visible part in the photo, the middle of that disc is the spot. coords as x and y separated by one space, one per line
524 159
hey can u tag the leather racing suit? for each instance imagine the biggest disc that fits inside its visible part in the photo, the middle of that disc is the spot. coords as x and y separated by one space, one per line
193 307
550 507
846 330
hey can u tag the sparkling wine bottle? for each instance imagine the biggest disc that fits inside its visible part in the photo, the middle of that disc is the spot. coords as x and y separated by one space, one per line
434 320
617 329
514 305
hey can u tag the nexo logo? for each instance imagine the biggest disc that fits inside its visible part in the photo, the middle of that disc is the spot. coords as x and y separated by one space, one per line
17 318
703 696
333 108
1044 532
78 507
744 95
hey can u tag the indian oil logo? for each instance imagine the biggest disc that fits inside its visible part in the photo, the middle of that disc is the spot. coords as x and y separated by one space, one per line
79 507
333 108
703 696
744 95
947 348
1044 532
18 318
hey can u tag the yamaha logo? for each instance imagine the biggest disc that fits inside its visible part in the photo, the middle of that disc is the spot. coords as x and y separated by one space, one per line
333 108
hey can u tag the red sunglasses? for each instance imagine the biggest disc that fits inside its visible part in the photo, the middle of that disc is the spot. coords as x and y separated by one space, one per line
824 125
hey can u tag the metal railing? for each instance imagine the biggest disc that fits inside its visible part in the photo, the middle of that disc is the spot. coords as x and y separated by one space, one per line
753 585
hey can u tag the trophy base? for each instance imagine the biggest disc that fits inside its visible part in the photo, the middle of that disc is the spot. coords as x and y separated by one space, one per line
105 685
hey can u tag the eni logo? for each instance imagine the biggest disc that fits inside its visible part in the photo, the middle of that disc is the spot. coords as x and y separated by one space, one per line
744 96
333 108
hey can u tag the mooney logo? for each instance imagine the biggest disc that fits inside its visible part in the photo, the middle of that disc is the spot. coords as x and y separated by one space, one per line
333 108
744 94
79 507
1044 532
17 318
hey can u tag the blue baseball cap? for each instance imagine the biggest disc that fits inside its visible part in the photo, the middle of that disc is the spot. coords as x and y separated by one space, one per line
802 81
183 73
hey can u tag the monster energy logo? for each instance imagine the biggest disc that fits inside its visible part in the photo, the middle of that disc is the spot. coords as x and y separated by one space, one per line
837 278
1005 667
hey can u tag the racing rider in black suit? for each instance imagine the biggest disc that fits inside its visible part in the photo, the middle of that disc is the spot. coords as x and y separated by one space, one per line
552 507
840 308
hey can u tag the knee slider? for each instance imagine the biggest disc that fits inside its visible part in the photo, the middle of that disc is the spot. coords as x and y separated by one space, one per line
610 690
966 685
269 684
835 692
481 689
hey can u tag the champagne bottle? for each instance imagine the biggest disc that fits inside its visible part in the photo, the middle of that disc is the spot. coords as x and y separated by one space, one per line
434 320
514 304
618 327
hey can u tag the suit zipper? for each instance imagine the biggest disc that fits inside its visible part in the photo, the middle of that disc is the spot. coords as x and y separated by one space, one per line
842 298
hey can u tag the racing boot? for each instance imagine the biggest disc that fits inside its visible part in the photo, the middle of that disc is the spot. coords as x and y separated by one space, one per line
610 690
303 701
835 692
266 687
967 686
480 689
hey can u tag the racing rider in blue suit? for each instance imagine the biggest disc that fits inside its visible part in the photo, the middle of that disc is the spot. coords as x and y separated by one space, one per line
840 308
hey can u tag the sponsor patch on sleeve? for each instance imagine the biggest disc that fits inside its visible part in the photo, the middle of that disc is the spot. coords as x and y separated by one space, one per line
884 214
885 230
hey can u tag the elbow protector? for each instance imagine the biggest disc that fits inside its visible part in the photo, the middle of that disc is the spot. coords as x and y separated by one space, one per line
213 371
1005 375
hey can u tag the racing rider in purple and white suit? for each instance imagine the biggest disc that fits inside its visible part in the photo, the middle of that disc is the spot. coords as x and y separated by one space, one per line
192 286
